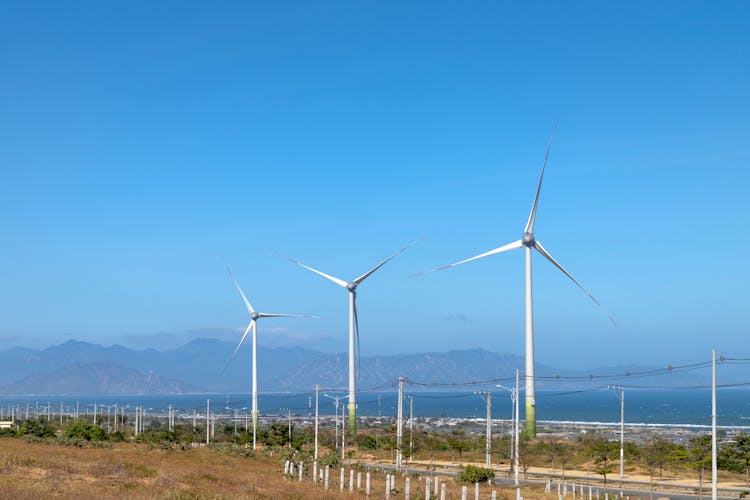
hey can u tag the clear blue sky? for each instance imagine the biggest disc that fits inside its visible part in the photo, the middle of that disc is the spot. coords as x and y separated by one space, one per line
141 141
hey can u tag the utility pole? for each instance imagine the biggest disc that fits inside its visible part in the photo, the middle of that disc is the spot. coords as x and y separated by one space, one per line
515 457
411 427
343 435
713 425
400 424
622 431
621 397
208 421
336 400
315 459
487 396
290 426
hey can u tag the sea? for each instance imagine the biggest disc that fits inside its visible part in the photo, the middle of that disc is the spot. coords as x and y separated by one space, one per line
642 406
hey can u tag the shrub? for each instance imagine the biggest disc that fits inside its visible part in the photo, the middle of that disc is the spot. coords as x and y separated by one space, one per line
471 474
85 430
333 460
38 428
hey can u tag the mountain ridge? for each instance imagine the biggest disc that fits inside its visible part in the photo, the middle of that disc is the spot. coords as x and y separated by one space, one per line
198 366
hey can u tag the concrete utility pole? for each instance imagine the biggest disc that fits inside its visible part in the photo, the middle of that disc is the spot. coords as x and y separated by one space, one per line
487 396
515 458
343 435
289 410
411 427
621 397
316 425
713 425
336 400
400 424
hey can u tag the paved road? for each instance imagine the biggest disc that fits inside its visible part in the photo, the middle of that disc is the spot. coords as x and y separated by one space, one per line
626 488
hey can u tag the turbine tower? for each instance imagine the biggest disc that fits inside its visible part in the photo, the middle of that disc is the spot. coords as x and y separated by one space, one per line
253 325
529 242
351 287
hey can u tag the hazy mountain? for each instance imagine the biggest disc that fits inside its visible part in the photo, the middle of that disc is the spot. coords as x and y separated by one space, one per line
82 367
96 378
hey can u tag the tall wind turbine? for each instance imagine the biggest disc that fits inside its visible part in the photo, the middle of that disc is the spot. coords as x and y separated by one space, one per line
351 287
253 325
529 242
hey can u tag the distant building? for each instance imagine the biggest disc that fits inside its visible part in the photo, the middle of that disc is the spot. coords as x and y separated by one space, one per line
6 424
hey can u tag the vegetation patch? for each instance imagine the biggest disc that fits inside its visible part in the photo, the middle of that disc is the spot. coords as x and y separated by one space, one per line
472 474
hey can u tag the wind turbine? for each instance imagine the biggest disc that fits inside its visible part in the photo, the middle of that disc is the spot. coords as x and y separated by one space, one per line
351 287
529 242
253 325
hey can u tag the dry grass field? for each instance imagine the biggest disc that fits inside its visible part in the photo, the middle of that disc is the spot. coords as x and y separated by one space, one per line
44 470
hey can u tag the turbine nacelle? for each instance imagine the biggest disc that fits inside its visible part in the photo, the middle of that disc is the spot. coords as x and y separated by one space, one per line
528 240
351 286
255 315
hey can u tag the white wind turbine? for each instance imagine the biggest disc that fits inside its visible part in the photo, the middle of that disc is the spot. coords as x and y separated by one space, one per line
253 325
351 287
528 242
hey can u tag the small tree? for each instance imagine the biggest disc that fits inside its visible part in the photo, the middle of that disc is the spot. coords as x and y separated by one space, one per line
529 452
696 455
459 442
649 458
602 451
561 454
740 448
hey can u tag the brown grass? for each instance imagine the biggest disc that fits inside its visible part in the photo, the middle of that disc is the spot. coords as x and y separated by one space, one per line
41 470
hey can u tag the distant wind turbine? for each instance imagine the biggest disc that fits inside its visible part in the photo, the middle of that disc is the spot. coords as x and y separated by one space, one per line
351 287
529 242
254 317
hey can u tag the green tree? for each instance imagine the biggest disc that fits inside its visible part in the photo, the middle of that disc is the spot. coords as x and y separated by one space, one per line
277 434
36 427
459 441
696 454
602 452
649 457
740 449
85 430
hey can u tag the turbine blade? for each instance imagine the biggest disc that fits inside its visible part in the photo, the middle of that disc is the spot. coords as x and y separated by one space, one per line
369 273
504 248
532 215
274 315
338 281
539 248
237 285
237 349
